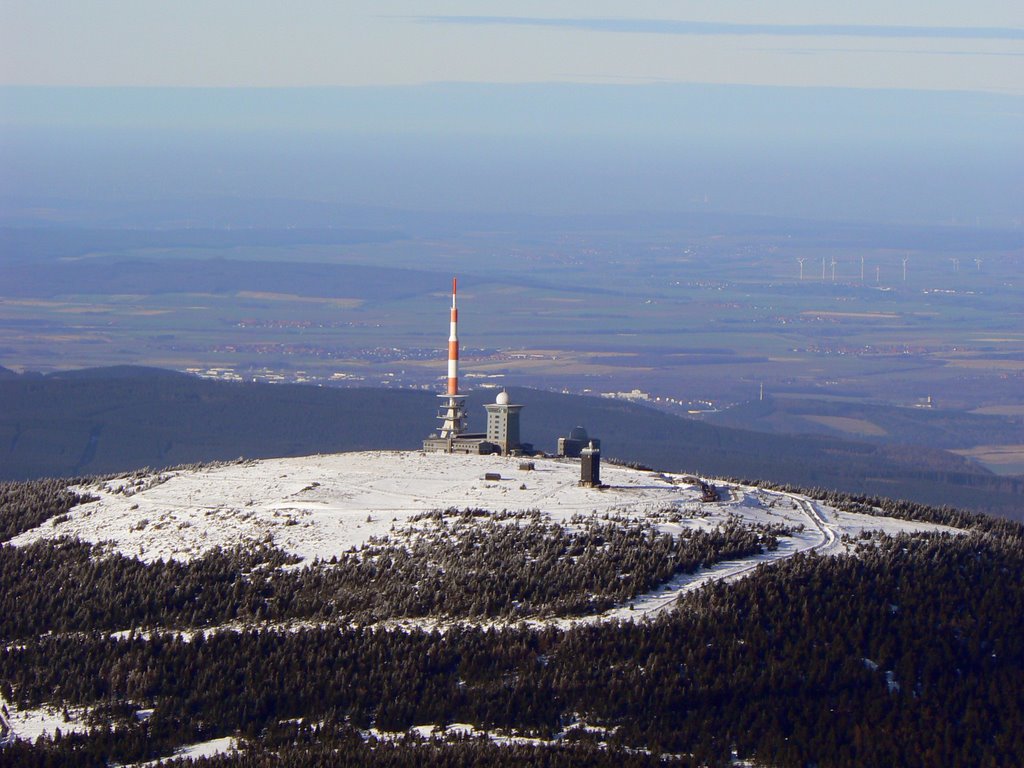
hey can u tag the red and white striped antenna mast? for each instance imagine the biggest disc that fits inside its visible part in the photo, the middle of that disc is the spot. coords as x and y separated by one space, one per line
453 345
452 412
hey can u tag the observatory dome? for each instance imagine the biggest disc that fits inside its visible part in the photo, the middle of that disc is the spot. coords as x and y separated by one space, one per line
502 398
578 433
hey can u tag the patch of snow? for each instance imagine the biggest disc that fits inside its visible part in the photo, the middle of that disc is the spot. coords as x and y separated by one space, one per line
736 761
440 732
462 729
30 724
890 681
426 731
854 523
209 748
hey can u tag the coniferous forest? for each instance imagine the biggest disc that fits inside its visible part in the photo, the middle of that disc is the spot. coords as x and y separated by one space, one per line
907 651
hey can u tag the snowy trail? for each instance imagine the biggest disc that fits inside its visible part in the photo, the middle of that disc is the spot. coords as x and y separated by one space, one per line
829 540
664 598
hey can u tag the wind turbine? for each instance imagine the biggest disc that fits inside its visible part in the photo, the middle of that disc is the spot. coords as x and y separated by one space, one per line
823 269
977 263
878 271
905 258
956 264
802 260
834 262
862 269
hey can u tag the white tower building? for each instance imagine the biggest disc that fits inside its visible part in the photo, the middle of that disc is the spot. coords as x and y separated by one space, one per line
503 424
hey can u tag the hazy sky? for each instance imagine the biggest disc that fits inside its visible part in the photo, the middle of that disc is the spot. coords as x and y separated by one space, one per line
914 44
907 110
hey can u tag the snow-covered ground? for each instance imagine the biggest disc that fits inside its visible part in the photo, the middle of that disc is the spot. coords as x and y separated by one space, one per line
463 730
30 724
195 751
320 506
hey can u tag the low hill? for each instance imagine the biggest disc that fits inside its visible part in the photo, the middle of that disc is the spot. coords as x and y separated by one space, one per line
107 420
870 422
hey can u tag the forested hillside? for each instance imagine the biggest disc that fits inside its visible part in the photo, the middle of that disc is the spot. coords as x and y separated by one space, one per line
907 651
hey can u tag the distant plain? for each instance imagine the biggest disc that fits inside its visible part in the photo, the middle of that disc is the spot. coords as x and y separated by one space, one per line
697 313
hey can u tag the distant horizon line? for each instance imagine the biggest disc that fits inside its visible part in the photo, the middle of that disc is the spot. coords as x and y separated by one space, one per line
624 84
625 25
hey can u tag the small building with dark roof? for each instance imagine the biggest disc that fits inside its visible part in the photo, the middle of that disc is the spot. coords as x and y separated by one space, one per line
577 440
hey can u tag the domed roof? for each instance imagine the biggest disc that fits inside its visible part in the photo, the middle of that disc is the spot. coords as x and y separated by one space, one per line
578 433
502 398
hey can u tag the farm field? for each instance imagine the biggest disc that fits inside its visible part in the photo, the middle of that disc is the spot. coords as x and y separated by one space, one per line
692 315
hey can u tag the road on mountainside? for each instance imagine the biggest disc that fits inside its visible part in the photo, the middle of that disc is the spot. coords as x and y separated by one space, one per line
810 509
646 606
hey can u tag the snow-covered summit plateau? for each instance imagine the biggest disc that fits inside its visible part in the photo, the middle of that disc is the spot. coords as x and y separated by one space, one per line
321 506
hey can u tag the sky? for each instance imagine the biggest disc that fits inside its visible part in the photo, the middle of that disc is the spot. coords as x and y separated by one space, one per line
935 45
910 111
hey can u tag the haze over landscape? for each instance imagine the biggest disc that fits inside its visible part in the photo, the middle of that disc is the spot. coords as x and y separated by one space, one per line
772 251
